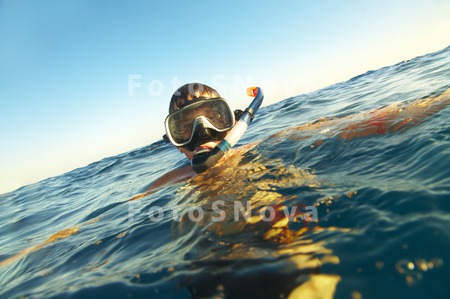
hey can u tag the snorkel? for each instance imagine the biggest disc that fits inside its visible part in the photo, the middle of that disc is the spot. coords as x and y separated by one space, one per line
203 161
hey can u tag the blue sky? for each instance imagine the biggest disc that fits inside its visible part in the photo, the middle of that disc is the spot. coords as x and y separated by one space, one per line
83 80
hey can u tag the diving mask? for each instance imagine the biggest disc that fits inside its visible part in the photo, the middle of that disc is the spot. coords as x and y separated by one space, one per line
212 116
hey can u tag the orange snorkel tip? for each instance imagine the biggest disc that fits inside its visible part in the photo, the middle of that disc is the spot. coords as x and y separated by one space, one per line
252 91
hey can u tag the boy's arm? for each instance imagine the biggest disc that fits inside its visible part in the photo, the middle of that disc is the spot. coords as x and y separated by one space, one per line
396 117
170 178
391 118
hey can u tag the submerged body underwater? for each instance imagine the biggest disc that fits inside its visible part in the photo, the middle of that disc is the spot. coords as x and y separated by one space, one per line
354 216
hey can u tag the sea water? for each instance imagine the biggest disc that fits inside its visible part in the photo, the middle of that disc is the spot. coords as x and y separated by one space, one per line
381 204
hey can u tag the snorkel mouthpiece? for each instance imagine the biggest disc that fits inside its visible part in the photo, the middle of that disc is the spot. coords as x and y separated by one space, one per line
203 161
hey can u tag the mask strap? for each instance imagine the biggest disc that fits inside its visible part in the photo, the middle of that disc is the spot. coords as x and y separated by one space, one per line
237 114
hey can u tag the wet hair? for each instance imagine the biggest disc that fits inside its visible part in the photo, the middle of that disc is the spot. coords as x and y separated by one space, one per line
189 92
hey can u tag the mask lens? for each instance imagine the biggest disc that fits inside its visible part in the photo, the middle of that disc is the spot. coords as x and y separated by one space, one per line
180 128
224 117
218 114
